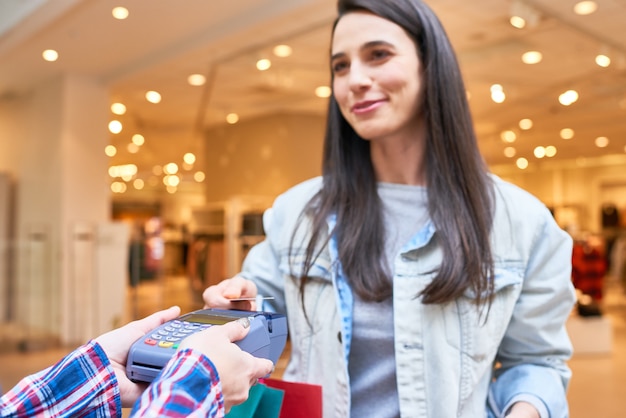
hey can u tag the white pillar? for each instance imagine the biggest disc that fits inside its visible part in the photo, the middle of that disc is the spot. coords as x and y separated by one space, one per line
62 185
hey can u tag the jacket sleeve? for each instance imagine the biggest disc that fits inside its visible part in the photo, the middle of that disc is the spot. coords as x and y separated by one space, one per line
262 267
267 263
187 386
536 347
82 383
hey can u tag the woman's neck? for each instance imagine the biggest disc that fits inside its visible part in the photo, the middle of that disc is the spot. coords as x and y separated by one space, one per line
399 161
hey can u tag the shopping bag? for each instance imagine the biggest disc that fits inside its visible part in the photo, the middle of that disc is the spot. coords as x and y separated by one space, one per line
262 402
300 400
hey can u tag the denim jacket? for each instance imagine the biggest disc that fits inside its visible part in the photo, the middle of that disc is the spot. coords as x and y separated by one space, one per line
453 359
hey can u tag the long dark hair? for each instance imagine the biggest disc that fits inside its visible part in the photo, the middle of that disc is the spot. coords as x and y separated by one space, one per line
460 193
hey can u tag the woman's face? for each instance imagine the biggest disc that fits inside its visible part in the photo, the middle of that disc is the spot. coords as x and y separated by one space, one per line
376 77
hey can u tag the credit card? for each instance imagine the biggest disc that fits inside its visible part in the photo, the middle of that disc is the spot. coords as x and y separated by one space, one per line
252 298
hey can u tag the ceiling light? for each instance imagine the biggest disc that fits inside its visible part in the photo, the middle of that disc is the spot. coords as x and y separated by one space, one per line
196 79
567 133
110 150
170 168
232 118
120 13
171 180
50 55
282 51
138 184
510 152
171 189
118 108
525 124
602 142
522 163
603 60
550 151
153 96
498 96
118 187
523 15
263 64
532 57
584 8
199 176
189 158
122 170
138 140
132 148
323 92
568 98
517 22
508 136
115 126
539 152
497 93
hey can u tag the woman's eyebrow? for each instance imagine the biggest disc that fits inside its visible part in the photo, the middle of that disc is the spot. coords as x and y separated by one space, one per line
365 46
337 56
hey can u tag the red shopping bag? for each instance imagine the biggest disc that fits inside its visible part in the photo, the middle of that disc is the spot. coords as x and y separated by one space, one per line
300 400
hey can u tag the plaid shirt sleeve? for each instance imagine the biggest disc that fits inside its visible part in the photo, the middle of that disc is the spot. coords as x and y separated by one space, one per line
82 384
188 386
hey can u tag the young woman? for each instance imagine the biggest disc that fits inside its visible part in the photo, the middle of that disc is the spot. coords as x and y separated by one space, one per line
416 284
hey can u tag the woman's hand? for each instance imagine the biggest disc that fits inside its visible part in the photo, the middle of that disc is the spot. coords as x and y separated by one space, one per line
220 295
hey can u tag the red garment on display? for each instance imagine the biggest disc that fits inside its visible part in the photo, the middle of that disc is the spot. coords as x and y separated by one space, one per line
588 269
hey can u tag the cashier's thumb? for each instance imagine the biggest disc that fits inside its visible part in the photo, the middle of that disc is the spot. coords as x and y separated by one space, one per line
236 330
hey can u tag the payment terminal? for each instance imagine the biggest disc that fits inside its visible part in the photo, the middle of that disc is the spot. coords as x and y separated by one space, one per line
149 354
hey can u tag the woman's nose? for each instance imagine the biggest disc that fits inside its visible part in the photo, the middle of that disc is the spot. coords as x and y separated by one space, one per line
359 78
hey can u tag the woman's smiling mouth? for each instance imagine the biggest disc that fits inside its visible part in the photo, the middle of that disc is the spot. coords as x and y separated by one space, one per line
366 106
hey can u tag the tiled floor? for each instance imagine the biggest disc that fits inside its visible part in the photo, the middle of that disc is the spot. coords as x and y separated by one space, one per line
597 390
598 386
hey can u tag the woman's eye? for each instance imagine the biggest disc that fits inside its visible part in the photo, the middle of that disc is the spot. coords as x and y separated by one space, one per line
379 54
339 66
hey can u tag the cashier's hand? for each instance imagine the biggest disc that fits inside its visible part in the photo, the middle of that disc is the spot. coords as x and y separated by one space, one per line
220 295
237 369
116 345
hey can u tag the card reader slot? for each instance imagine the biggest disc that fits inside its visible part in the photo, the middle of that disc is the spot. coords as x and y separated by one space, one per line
147 366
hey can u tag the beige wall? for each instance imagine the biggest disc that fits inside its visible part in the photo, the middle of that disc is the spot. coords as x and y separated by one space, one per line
262 157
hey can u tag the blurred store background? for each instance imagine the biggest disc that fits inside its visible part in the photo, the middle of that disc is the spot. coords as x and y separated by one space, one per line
141 141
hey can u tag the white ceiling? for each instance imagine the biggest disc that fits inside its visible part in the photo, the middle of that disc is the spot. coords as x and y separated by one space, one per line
164 41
